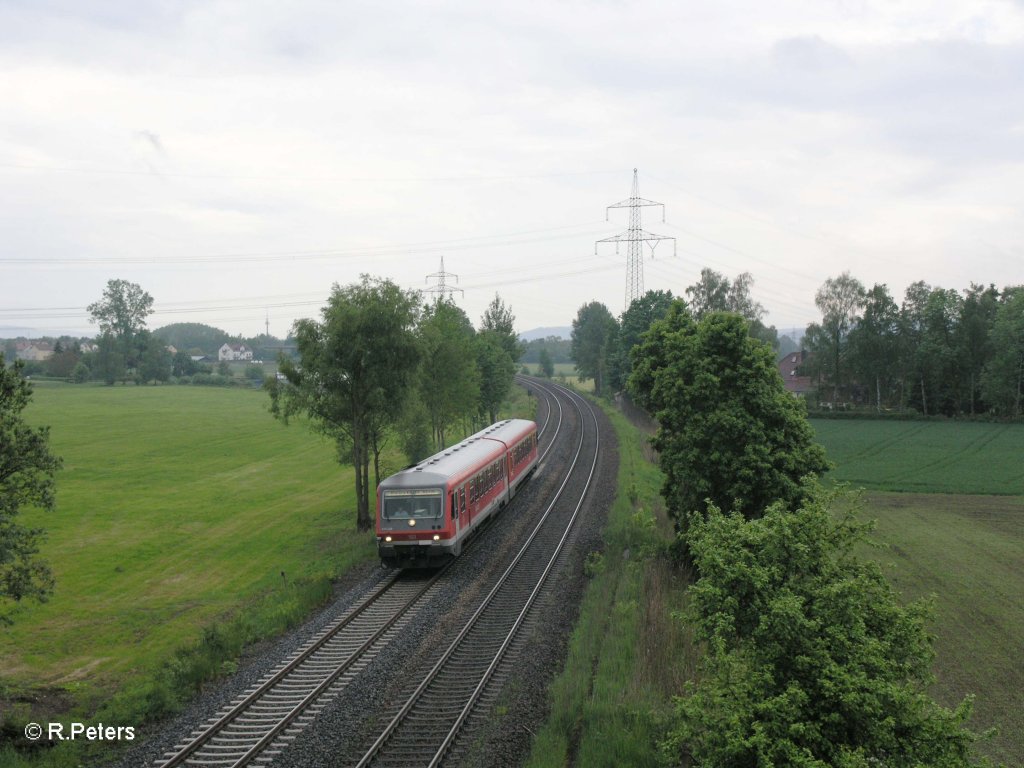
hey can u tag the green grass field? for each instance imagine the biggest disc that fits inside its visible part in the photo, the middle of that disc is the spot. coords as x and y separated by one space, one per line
175 504
566 372
188 521
926 456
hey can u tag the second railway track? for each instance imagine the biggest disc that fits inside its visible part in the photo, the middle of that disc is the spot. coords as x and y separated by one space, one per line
258 726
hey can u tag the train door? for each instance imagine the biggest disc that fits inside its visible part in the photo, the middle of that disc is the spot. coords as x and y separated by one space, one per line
462 505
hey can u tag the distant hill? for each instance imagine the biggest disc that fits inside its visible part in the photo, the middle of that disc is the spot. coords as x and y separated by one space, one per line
543 333
188 336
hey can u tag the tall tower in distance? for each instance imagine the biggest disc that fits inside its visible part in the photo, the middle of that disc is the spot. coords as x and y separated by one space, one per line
442 289
634 237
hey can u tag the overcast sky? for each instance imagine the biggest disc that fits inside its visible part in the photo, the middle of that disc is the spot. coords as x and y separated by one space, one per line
237 158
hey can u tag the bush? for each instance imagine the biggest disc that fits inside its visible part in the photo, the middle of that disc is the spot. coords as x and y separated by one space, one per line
811 659
80 374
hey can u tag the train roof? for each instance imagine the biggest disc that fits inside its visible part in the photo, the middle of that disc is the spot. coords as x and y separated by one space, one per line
459 460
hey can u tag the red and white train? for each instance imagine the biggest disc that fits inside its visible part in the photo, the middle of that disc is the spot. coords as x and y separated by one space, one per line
426 513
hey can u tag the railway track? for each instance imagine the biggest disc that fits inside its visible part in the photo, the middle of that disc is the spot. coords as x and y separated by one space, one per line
257 726
279 706
426 728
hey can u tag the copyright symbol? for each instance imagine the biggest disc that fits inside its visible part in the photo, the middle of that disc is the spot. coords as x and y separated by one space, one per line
33 731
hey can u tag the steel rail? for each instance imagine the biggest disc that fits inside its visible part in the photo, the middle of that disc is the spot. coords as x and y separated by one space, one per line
211 732
475 696
411 701
236 711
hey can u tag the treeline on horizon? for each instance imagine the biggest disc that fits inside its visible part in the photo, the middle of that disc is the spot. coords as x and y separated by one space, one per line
939 352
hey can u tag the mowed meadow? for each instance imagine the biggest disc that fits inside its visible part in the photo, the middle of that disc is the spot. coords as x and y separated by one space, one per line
176 507
948 499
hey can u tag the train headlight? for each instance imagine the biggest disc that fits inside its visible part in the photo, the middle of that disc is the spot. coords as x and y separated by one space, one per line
437 537
387 538
412 522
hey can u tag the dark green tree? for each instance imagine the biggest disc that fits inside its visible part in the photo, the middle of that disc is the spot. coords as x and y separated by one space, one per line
27 470
547 367
633 324
183 364
110 359
154 359
811 659
912 330
122 313
593 333
973 343
1003 380
938 356
354 371
63 360
874 342
729 434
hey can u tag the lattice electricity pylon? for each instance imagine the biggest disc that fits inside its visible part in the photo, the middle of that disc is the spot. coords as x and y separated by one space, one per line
442 289
635 236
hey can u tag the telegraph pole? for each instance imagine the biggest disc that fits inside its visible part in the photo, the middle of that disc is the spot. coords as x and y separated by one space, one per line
635 236
442 289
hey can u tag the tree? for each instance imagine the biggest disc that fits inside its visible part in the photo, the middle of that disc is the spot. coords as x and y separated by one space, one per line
354 371
547 367
449 379
110 359
912 325
938 359
154 358
811 659
63 360
974 347
592 334
874 342
635 321
27 470
499 320
729 434
183 364
839 299
497 371
1003 380
122 313
709 294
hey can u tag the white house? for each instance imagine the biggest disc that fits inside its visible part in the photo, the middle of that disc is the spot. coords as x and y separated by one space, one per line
234 352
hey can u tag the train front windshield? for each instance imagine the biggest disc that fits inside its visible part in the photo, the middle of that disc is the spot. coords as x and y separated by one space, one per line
419 504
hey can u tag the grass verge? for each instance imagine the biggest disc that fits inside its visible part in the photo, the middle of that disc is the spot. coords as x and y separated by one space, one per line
627 654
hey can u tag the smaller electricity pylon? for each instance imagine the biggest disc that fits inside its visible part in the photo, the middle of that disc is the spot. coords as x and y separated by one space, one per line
442 289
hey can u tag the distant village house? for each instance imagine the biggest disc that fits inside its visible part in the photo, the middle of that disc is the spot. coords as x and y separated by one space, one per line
796 385
33 351
231 352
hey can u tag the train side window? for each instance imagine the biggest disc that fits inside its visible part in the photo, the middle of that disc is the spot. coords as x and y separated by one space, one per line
455 505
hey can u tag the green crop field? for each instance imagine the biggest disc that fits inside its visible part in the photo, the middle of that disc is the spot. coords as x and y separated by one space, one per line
966 552
948 498
176 506
926 456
